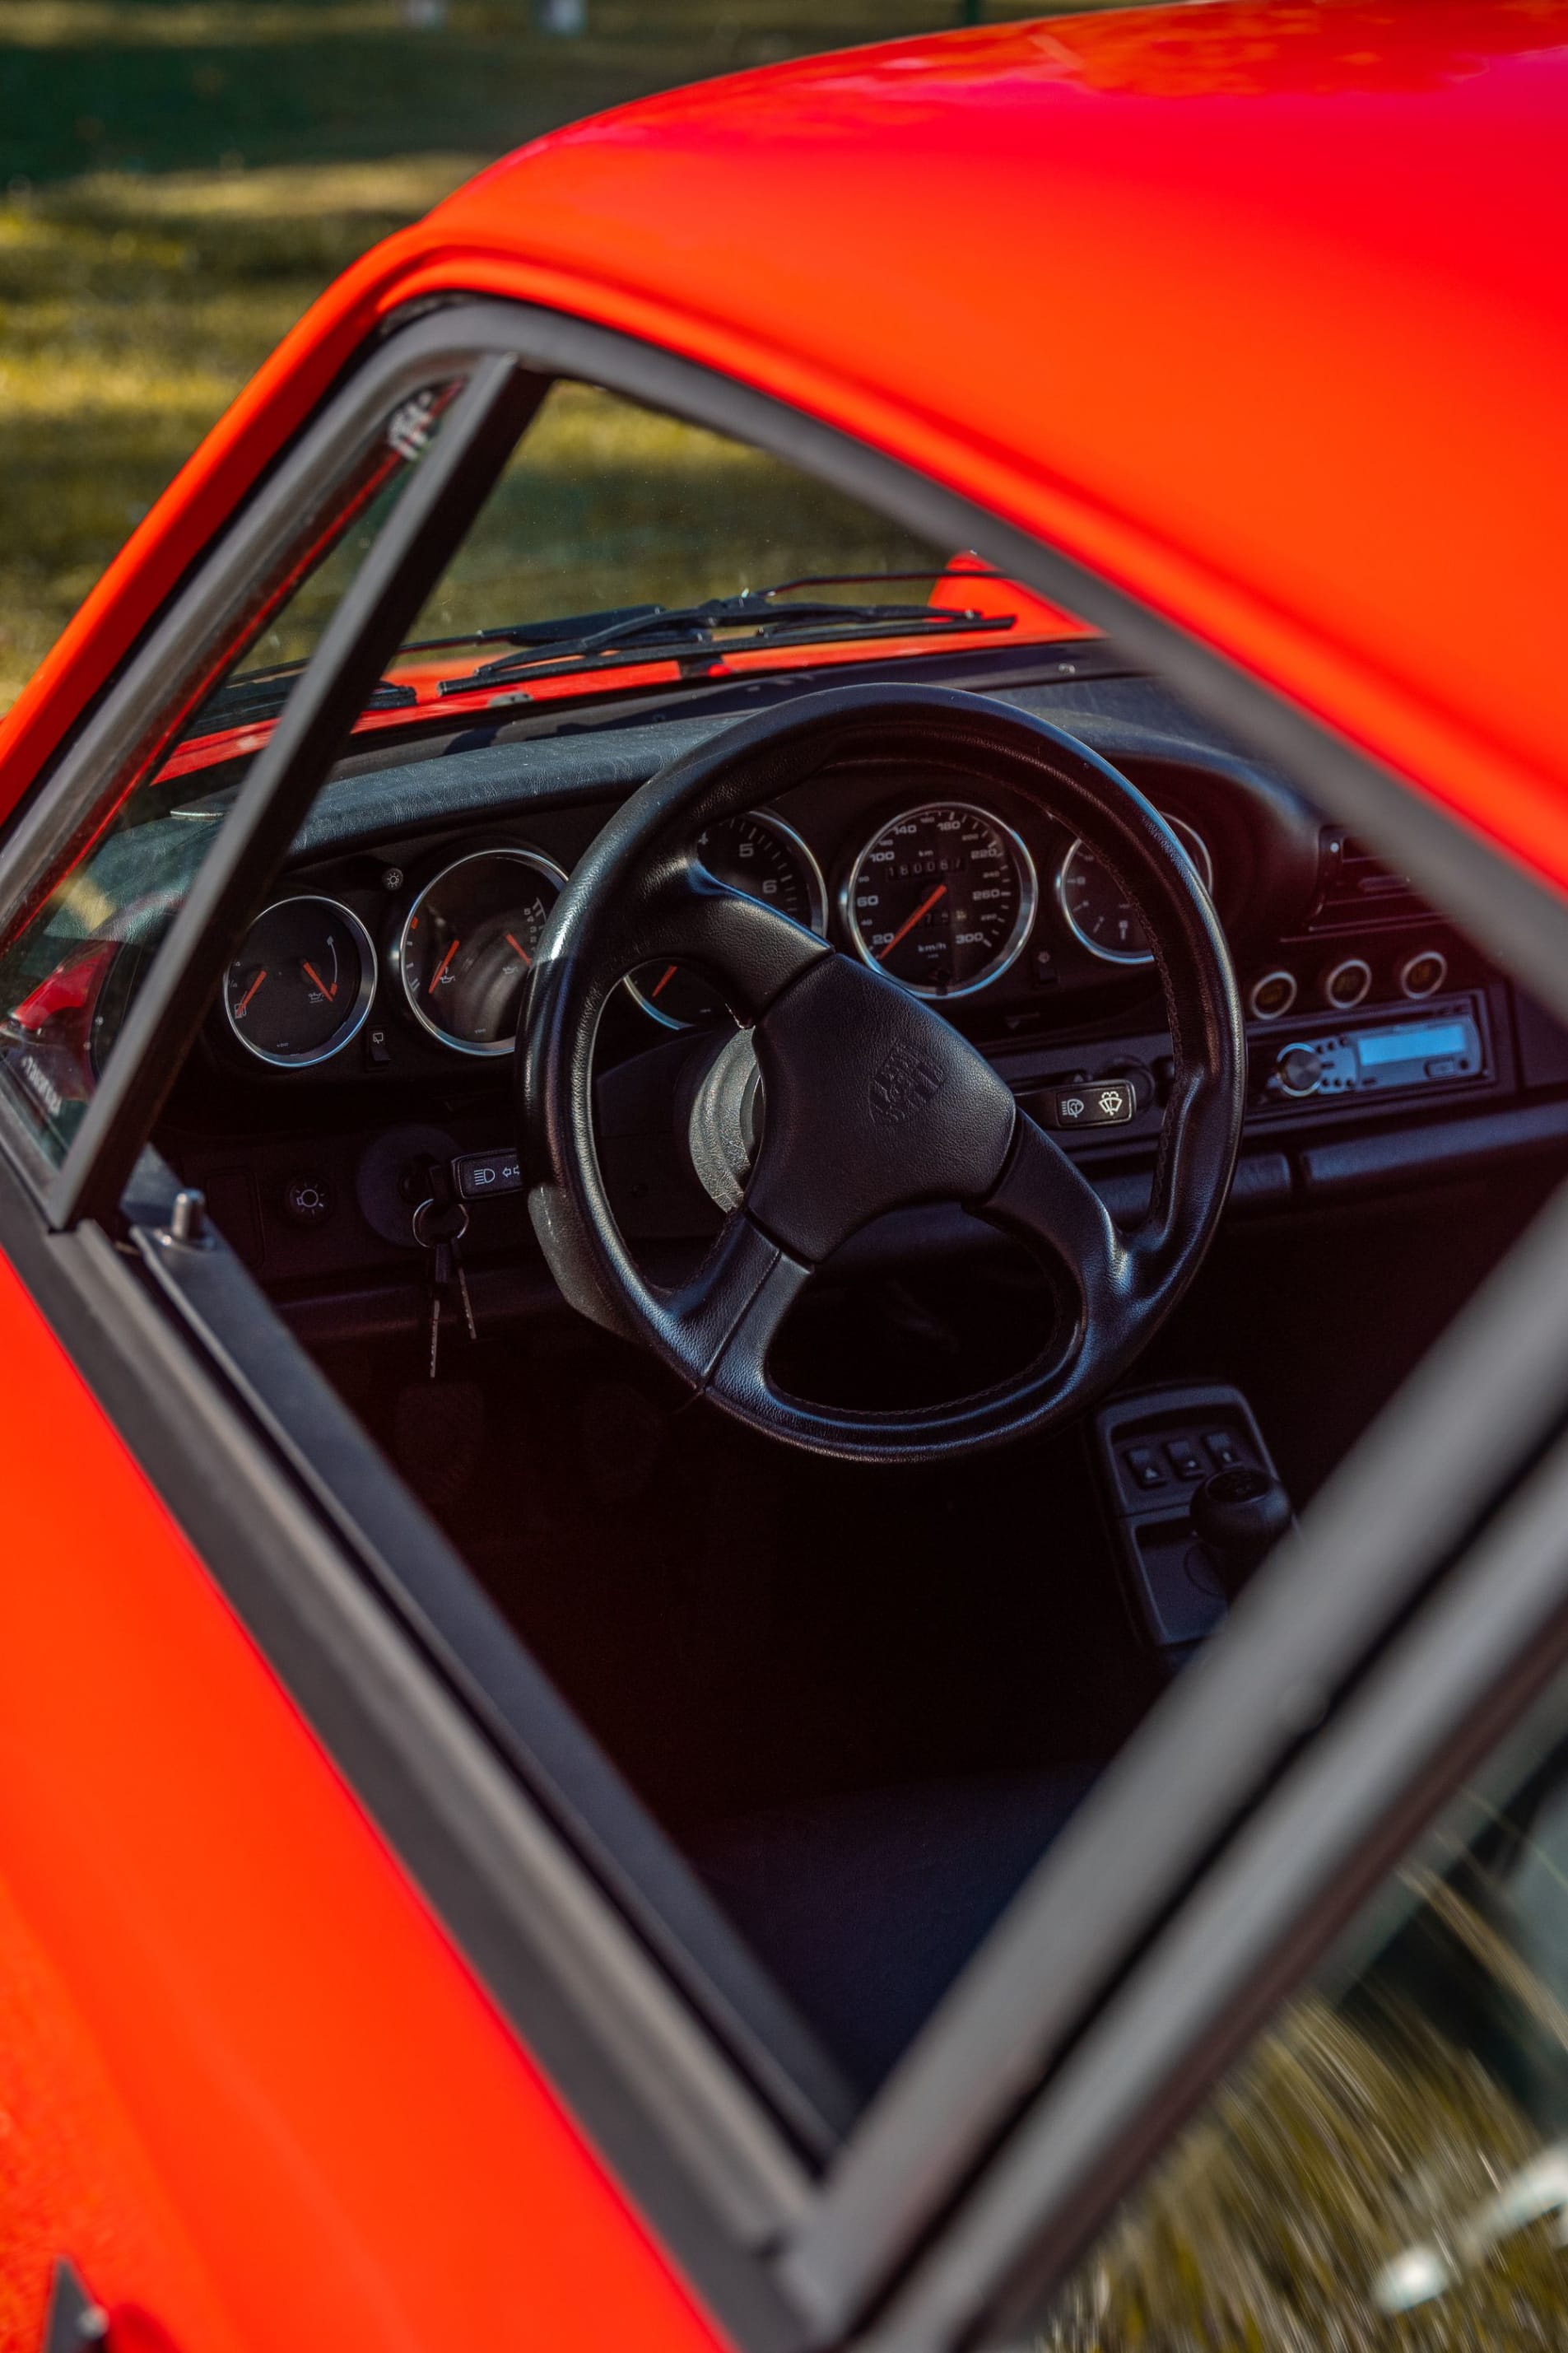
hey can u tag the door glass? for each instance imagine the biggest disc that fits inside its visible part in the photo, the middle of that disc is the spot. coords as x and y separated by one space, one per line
84 937
1389 2167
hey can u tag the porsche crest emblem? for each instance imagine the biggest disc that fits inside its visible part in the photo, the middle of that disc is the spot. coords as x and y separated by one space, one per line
903 1084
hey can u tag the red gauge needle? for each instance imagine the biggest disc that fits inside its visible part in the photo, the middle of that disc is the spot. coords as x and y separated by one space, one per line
436 975
911 921
516 950
328 993
665 978
250 993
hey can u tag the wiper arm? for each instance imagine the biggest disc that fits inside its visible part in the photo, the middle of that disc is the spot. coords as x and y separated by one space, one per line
548 648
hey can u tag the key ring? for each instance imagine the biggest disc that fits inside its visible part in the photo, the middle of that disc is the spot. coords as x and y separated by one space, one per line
423 1236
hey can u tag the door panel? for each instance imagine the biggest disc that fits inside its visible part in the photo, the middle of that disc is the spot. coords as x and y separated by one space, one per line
357 2147
73 2178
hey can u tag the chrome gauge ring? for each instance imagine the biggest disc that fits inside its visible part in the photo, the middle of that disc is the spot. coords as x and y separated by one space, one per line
1099 912
299 987
756 853
942 898
469 942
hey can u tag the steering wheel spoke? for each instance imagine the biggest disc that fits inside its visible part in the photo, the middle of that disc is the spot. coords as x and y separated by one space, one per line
729 1312
687 916
1050 1205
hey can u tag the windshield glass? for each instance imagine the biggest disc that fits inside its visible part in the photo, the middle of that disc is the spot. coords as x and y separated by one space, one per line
620 537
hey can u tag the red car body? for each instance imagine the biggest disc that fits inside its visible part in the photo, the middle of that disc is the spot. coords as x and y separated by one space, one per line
1259 314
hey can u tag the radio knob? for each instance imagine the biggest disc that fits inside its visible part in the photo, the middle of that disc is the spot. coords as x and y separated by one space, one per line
1298 1070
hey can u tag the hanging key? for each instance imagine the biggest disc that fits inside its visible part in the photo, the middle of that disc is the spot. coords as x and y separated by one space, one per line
438 1229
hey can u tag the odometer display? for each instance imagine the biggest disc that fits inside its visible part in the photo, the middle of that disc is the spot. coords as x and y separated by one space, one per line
759 854
942 900
468 946
301 984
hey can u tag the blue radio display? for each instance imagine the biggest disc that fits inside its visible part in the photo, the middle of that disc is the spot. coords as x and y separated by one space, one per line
1412 1045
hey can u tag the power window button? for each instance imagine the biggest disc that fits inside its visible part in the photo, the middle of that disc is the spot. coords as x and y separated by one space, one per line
1224 1451
1183 1458
1142 1469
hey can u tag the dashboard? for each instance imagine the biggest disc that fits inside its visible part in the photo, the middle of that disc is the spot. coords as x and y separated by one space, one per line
365 1025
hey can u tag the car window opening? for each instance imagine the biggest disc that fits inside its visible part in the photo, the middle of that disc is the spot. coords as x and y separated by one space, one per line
861 1699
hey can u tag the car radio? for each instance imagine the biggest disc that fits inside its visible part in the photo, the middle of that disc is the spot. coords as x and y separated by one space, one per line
1441 1045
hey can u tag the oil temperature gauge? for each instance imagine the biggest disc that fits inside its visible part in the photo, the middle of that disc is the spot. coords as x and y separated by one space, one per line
301 984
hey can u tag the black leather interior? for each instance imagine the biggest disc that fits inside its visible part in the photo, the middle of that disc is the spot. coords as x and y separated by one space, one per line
880 1103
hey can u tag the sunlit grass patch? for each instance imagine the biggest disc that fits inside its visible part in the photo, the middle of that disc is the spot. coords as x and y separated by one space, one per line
186 176
131 313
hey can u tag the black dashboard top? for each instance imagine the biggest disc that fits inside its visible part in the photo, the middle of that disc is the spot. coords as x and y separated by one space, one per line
1330 945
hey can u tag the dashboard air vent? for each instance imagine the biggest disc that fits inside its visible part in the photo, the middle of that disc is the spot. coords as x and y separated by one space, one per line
1356 889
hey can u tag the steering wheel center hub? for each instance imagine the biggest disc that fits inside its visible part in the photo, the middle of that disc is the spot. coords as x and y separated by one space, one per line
873 1104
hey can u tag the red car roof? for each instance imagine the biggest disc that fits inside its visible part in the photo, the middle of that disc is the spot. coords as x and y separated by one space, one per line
1260 311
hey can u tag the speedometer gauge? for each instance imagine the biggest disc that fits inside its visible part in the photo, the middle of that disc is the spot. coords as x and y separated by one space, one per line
942 898
468 946
759 854
1098 912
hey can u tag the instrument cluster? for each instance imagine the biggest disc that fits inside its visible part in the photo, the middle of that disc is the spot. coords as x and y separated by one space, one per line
943 895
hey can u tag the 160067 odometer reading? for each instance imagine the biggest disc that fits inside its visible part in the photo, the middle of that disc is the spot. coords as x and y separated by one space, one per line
942 898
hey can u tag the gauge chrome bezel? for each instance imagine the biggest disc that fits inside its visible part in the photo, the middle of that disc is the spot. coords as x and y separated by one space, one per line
370 976
1205 871
1347 963
1012 948
1279 972
1422 955
533 859
816 892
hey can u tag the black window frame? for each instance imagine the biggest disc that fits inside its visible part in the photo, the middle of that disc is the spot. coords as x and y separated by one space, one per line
911 2203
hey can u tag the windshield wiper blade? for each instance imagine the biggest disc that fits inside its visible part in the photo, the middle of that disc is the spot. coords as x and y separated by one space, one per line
262 693
759 613
572 626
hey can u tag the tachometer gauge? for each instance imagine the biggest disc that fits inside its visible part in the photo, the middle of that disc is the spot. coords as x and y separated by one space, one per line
1098 911
942 898
301 985
760 855
469 946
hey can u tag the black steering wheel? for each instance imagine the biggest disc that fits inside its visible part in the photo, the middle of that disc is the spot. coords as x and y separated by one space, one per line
872 1102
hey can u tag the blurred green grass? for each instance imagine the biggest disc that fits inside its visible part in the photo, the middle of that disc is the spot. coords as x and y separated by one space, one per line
184 177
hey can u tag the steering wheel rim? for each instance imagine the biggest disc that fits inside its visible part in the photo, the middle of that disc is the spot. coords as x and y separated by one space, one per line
872 1101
